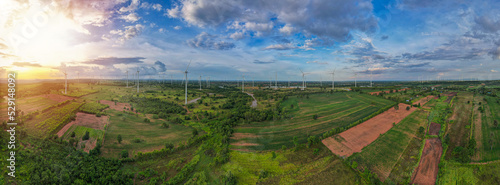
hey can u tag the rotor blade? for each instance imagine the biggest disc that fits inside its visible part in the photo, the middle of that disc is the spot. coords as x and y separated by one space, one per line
188 65
301 71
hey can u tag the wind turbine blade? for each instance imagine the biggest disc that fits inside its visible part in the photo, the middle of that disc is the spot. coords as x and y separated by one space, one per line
188 65
301 71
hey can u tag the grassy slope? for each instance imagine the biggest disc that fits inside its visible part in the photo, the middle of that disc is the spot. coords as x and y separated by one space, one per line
490 151
383 154
152 135
334 110
456 173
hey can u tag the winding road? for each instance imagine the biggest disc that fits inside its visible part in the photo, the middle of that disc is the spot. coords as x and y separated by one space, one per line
254 102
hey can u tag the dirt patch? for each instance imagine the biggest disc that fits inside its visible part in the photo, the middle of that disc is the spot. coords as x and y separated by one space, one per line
434 129
86 120
427 170
356 138
424 100
193 101
89 145
254 102
117 106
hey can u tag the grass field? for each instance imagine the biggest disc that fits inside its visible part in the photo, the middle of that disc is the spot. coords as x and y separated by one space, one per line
80 131
382 155
490 148
151 136
288 167
459 130
333 110
456 173
52 120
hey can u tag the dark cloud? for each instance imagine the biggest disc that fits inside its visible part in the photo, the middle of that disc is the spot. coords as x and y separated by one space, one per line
462 48
495 53
384 37
487 24
26 64
161 66
333 19
211 42
109 61
262 62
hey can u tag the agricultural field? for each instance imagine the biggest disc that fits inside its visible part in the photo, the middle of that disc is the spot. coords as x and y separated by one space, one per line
456 173
95 136
93 107
304 166
140 136
51 120
488 132
34 103
459 130
382 155
331 111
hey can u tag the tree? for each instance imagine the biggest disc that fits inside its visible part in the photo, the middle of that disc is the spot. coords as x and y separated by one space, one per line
165 125
495 123
295 141
124 154
195 132
86 136
407 107
119 138
315 117
396 107
73 133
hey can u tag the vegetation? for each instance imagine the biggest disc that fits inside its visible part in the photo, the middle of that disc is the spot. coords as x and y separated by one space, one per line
93 107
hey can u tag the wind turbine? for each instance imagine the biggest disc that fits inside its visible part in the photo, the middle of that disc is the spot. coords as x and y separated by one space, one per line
276 81
303 79
65 82
333 78
243 83
199 81
355 79
137 80
127 78
186 91
371 78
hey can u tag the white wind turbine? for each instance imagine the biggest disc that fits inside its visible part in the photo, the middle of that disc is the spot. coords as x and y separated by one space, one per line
276 81
65 82
127 78
355 79
137 80
199 81
333 79
371 78
303 79
243 83
186 89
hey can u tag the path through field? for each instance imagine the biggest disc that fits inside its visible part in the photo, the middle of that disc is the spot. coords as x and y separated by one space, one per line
356 138
194 101
426 172
254 102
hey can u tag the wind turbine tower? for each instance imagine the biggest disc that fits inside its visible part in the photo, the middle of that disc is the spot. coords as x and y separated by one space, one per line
303 79
186 89
199 81
333 79
137 80
276 81
243 84
127 78
65 82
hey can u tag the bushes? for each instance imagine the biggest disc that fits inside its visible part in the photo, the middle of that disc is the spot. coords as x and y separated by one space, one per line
165 125
315 117
124 154
86 136
185 172
169 146
119 138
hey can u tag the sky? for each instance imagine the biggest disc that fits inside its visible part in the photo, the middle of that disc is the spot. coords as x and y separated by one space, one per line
226 39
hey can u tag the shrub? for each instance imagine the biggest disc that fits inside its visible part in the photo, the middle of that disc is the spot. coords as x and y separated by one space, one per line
407 107
283 147
165 125
73 134
195 132
169 145
119 138
274 154
155 116
146 120
124 154
316 151
136 140
315 117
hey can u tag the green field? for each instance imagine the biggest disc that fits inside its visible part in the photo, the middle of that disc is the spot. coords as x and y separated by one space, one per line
333 110
93 107
382 155
456 173
80 131
52 120
151 136
490 149
289 167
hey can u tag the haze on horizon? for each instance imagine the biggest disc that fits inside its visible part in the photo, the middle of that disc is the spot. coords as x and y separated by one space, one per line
393 40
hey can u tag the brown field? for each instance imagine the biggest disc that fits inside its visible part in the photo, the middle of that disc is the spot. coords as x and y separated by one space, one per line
86 120
356 138
118 106
434 129
378 92
426 172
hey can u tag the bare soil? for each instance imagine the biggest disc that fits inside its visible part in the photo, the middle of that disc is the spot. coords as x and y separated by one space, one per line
356 138
434 129
427 170
86 120
118 106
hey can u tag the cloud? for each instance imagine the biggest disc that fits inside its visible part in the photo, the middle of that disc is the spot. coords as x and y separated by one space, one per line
286 46
384 37
128 33
332 19
495 53
262 62
486 24
316 62
134 5
26 64
177 27
237 35
461 48
152 6
210 42
132 17
161 66
161 30
110 61
494 71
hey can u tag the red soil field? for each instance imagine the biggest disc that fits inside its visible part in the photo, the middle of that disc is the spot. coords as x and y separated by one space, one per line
378 92
86 120
356 138
118 106
434 129
426 172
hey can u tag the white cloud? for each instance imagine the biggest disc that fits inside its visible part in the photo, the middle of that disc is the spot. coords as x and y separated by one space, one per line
134 4
237 35
177 27
161 30
132 17
287 29
286 46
